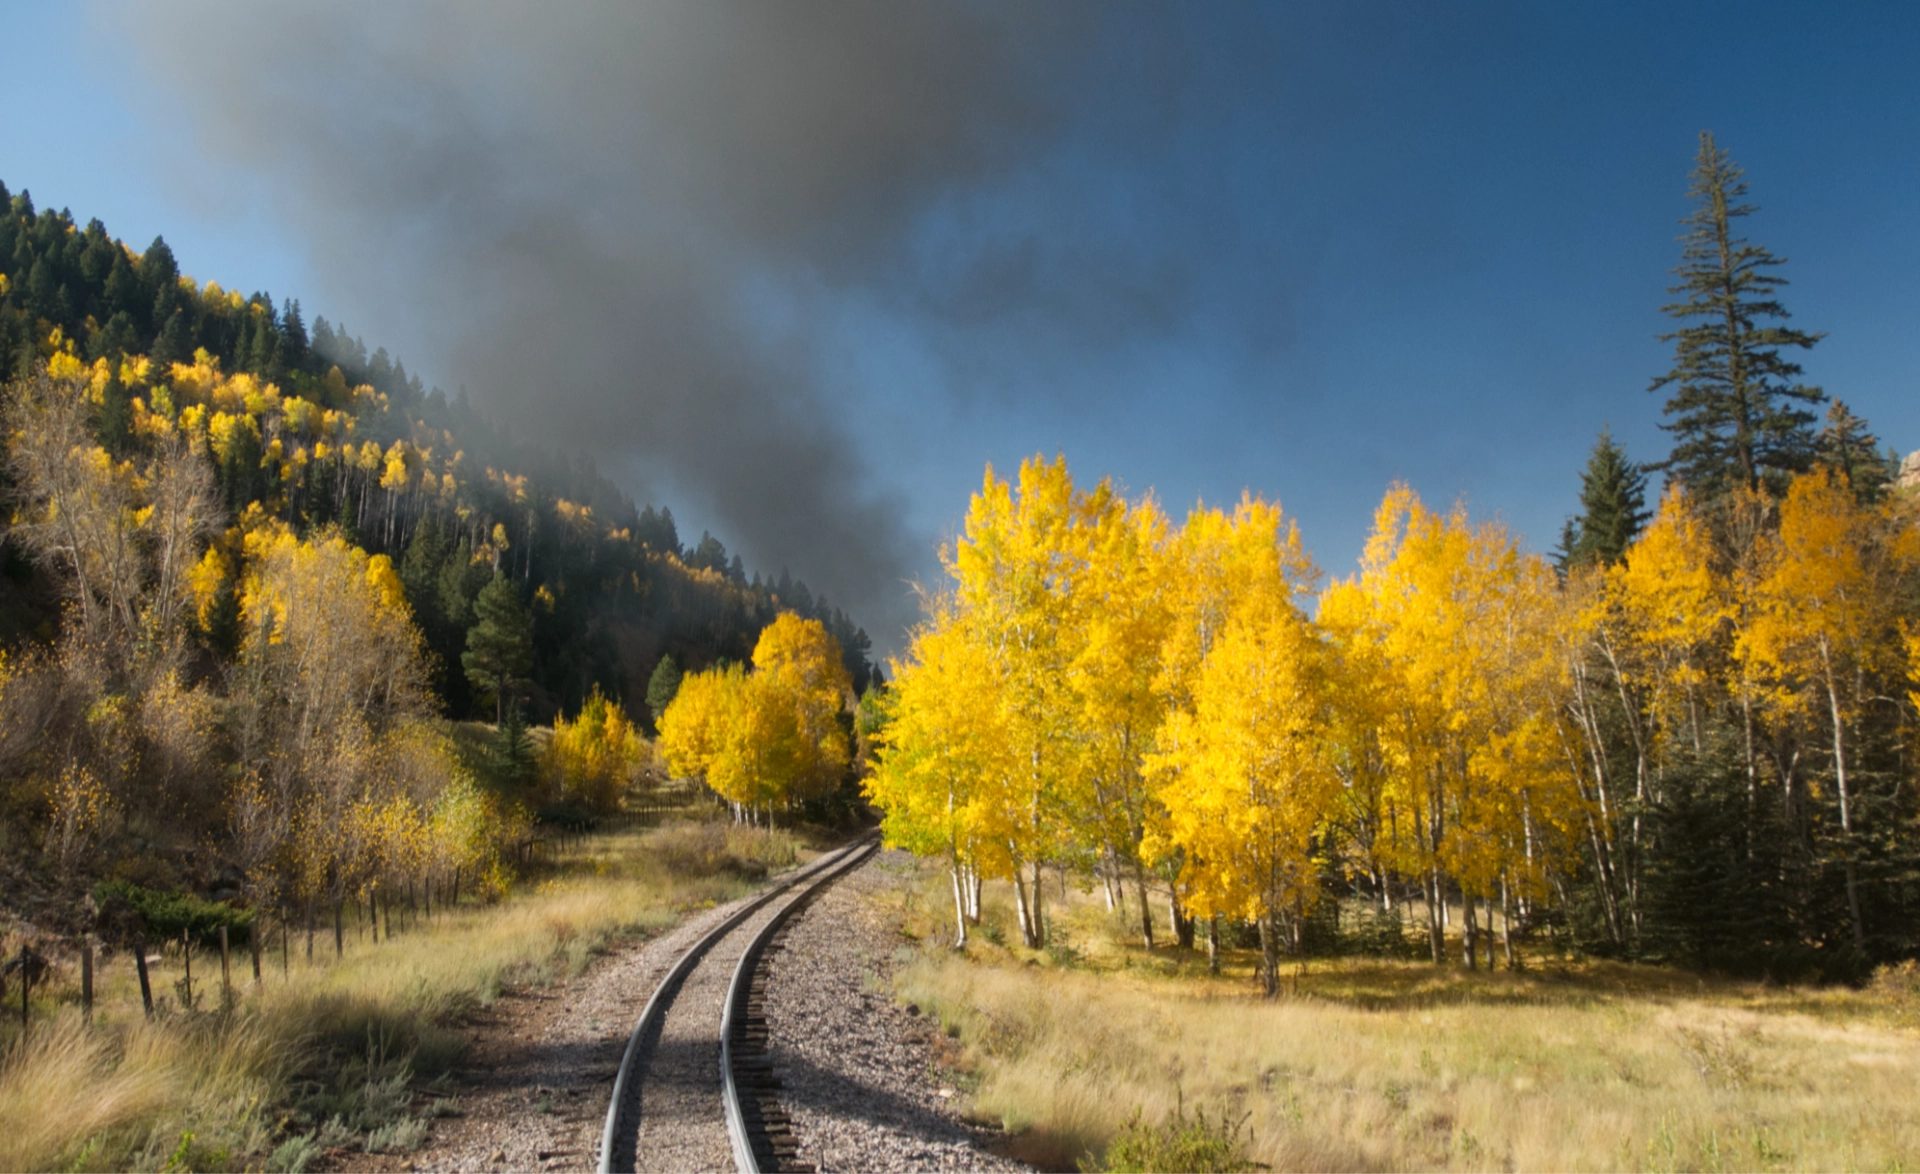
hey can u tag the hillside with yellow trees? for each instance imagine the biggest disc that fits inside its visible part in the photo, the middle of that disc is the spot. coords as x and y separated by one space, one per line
249 573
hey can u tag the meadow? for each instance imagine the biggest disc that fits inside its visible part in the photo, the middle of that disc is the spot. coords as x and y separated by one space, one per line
334 1054
1095 1050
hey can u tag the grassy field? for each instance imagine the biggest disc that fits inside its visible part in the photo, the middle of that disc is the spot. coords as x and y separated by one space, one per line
336 1054
1382 1065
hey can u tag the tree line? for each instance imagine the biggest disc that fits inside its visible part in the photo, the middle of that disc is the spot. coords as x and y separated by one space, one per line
1684 737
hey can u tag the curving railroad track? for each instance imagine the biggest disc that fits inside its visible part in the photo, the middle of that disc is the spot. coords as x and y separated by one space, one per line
695 1089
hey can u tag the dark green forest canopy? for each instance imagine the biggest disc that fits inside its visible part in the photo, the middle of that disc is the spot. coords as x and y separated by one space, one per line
609 587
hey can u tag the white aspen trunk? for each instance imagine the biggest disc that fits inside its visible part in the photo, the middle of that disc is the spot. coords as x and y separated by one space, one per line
1020 906
1469 931
1846 815
1506 922
1213 944
959 909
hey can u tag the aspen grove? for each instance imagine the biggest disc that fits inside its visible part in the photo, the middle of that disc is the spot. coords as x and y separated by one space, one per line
1696 752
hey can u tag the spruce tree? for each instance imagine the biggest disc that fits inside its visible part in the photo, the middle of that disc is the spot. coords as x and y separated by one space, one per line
662 687
1851 450
1613 508
499 645
1737 409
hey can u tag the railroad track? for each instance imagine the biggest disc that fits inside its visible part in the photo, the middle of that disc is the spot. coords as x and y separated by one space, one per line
701 1045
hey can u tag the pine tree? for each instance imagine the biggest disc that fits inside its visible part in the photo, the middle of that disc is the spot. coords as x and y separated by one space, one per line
662 687
499 645
1849 448
513 753
1613 503
1738 412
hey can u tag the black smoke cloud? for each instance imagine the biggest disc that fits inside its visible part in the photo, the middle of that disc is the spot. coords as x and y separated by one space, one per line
566 209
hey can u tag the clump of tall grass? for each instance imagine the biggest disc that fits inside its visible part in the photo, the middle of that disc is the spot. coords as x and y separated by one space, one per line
707 848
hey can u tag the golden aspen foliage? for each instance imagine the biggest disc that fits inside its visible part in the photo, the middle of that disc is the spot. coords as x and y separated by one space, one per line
771 737
1825 603
803 667
1125 591
1024 549
1243 775
943 737
593 758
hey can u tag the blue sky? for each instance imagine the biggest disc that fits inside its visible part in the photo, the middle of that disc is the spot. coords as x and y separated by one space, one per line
1304 250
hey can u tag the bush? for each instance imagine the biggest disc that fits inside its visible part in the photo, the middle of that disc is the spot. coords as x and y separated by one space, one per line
1195 1143
171 914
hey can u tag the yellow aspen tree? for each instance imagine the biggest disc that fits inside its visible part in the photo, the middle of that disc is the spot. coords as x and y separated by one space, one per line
592 758
1454 608
797 658
1662 613
944 736
1824 617
1121 618
1243 775
1015 569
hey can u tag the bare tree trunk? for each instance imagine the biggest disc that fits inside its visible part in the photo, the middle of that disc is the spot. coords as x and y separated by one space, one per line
1039 913
1469 930
1436 925
1146 908
1506 922
1213 944
1269 954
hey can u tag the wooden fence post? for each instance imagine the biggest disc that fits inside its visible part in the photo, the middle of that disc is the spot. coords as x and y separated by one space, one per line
186 956
226 971
140 964
86 980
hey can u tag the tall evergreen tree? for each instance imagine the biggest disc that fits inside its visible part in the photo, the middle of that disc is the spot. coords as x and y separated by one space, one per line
500 643
1613 508
662 687
1737 409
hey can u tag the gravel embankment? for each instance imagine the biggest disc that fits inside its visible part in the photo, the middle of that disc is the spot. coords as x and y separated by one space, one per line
859 1071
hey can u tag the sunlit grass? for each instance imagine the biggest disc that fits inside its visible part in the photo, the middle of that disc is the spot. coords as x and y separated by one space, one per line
1367 1064
331 1051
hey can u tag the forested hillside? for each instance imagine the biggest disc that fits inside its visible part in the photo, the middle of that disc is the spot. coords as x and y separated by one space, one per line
249 570
305 427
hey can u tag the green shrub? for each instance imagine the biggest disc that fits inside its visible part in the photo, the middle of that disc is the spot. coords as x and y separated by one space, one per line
171 914
1197 1143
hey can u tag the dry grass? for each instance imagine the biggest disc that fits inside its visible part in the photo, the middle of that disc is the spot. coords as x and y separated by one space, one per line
1383 1065
332 1053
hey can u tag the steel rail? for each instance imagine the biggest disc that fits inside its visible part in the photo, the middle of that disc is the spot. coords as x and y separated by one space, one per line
745 1161
669 985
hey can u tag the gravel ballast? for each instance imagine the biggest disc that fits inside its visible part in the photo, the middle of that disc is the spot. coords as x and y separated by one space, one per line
859 1072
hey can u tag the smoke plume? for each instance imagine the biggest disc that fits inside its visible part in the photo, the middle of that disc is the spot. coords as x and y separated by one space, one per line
610 222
